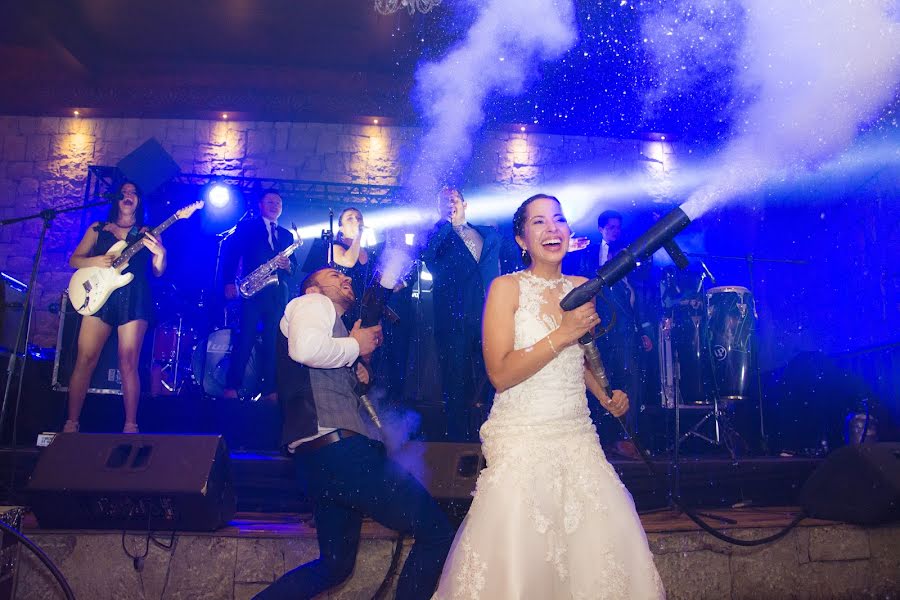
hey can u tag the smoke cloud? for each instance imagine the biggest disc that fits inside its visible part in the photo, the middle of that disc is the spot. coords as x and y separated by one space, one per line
806 76
499 54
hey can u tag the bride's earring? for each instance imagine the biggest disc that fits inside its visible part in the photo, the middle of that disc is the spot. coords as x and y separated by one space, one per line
524 253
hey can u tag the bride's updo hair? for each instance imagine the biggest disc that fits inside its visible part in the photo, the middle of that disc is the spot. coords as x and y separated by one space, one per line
519 221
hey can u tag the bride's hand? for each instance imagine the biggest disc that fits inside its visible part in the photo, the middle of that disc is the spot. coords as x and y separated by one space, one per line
617 405
577 322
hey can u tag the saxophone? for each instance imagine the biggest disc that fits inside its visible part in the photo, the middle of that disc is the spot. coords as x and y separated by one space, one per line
264 275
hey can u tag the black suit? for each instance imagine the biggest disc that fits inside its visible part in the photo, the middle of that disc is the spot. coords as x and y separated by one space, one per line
460 288
249 246
621 346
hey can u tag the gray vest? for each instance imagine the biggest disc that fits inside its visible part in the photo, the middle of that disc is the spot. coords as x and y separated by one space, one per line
311 398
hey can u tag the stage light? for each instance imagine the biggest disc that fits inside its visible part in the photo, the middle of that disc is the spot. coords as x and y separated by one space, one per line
522 129
375 121
219 195
224 116
425 275
76 113
409 238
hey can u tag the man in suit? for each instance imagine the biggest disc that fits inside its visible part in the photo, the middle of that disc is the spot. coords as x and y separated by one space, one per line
254 242
343 468
463 260
630 334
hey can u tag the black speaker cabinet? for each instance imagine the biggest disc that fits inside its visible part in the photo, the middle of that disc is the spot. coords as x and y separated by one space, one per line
149 166
106 378
856 484
447 470
133 481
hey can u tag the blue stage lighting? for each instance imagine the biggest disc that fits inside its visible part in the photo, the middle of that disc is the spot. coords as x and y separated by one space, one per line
219 195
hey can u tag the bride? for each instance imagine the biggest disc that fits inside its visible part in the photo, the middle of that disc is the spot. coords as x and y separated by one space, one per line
550 518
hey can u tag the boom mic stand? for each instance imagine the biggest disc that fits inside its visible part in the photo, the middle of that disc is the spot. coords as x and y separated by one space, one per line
660 235
24 330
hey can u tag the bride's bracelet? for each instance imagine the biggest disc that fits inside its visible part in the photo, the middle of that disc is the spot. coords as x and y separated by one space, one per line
552 347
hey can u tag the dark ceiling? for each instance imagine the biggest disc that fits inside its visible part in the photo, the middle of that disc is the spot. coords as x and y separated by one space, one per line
335 60
331 59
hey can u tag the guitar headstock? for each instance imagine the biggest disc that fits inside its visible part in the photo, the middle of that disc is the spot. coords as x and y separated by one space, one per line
187 211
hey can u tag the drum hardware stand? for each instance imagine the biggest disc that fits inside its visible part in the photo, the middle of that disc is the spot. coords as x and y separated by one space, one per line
24 331
750 259
174 363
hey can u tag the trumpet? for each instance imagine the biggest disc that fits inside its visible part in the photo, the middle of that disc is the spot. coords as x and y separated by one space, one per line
264 275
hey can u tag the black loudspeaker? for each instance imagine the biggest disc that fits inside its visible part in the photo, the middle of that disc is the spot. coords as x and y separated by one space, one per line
447 470
856 484
133 481
149 166
106 378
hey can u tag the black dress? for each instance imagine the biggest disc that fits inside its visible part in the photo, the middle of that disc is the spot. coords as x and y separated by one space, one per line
134 301
360 276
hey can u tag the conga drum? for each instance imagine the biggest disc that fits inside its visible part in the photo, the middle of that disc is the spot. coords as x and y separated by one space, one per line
731 321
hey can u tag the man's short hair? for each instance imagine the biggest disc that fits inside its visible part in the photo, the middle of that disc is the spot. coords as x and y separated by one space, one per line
266 192
310 280
448 189
605 216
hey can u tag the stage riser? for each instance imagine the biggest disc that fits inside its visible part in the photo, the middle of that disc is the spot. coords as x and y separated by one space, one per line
810 562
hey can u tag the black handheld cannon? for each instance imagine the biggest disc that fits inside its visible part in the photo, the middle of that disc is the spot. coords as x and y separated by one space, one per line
661 235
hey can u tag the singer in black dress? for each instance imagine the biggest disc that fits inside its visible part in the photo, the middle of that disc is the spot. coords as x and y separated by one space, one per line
128 309
351 259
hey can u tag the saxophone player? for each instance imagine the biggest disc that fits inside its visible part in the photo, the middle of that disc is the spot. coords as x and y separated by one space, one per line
257 241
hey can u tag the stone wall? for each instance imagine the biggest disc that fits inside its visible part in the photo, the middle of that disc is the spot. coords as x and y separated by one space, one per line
810 562
44 160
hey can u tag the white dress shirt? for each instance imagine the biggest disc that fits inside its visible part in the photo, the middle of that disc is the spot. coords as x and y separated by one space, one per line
307 324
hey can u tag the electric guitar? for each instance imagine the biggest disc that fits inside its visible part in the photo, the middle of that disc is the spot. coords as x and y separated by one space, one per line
90 287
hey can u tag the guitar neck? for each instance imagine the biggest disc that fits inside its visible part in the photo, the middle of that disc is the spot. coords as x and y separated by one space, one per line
137 246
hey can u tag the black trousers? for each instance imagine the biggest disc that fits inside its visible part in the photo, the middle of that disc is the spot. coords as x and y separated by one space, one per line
350 479
260 315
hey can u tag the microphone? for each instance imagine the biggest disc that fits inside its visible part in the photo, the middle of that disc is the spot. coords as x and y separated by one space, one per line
709 274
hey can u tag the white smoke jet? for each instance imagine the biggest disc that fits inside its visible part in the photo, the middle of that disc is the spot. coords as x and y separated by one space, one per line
502 49
814 72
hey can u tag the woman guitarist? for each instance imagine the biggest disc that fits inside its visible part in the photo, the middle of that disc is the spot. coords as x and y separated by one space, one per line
128 309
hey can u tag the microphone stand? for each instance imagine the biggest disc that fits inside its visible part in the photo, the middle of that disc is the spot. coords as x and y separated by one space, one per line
328 238
660 235
24 330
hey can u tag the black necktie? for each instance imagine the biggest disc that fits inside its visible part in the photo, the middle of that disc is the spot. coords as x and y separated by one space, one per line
274 235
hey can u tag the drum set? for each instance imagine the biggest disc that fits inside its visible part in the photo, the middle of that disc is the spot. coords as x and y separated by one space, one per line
180 357
706 358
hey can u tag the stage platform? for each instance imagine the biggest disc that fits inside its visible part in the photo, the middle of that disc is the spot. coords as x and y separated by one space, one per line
818 559
264 482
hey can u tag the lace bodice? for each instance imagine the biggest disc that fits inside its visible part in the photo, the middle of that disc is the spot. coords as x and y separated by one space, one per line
556 392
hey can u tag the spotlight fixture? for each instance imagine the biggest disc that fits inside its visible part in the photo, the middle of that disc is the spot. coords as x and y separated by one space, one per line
219 195
409 238
224 116
522 129
76 113
375 121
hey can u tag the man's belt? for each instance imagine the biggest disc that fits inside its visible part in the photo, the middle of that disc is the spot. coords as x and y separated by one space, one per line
324 440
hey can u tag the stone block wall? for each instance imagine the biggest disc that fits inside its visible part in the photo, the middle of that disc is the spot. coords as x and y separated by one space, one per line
838 562
44 161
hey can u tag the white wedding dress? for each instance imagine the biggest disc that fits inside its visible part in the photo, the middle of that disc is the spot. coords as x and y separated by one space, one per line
550 518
